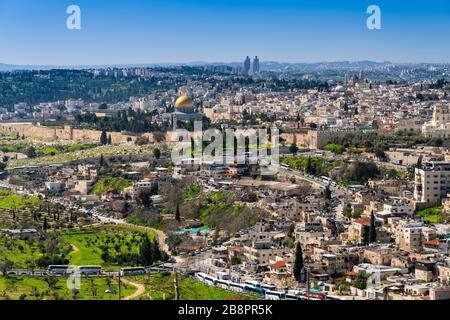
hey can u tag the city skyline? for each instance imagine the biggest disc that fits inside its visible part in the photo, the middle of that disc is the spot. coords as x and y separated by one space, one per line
156 32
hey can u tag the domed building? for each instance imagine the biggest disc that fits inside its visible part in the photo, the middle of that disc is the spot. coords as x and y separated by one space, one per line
184 104
184 111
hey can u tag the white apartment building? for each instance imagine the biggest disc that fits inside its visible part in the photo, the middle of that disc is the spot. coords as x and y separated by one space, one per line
432 182
446 204
412 235
439 126
397 207
263 252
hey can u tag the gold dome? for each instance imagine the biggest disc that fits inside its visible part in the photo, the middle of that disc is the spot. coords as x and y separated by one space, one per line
184 102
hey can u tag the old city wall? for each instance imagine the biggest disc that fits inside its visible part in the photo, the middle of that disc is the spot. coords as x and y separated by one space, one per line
66 133
28 130
312 139
303 139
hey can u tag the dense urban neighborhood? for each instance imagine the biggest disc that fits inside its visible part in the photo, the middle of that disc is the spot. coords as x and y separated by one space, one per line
355 206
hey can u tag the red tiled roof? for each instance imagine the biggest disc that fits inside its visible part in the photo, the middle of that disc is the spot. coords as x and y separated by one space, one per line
434 242
363 221
278 265
351 274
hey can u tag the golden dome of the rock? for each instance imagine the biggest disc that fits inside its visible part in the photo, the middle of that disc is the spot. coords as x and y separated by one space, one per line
184 102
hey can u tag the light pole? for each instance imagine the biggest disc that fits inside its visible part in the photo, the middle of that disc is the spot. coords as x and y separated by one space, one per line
120 292
308 283
175 281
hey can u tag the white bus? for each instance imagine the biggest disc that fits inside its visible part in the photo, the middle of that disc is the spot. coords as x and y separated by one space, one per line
200 276
90 270
237 287
268 287
275 295
326 179
253 283
295 295
211 281
260 286
223 284
60 270
132 271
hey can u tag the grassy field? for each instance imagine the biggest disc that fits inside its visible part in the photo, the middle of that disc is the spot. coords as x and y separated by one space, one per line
22 253
9 200
107 150
53 150
27 288
160 286
105 184
84 246
191 192
157 287
90 243
431 215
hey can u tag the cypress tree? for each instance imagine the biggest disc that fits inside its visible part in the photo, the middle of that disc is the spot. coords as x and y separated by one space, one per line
146 252
177 213
157 153
309 166
155 251
328 193
373 229
298 264
102 161
103 138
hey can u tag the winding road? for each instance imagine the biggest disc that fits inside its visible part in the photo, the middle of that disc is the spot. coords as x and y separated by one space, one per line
139 292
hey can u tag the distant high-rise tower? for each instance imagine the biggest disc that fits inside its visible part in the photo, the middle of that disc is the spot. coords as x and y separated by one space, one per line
362 76
247 65
256 65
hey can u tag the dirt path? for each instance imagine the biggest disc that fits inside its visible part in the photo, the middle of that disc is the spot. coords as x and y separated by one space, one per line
139 292
74 249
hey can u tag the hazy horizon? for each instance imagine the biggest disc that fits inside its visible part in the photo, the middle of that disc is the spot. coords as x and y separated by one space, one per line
191 63
138 32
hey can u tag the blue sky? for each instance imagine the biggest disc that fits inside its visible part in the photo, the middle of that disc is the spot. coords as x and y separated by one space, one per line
156 31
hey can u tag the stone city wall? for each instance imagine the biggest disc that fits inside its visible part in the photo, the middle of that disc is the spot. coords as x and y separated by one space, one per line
66 133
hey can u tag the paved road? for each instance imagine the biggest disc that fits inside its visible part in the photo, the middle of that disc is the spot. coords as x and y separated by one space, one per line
336 193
